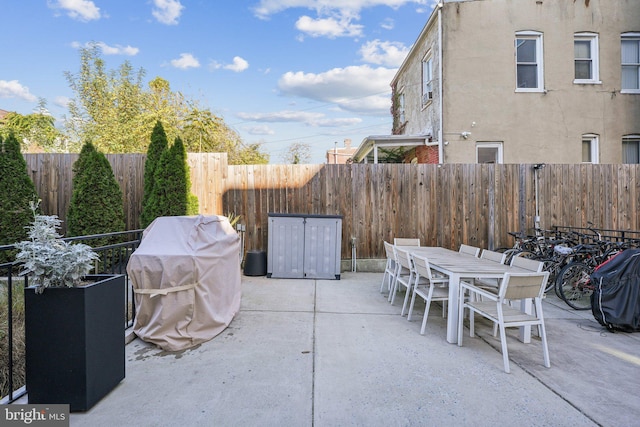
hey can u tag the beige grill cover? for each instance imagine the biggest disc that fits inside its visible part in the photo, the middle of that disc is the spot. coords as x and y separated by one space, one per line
186 279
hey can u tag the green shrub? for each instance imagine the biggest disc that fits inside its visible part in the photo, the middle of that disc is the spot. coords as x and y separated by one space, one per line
96 205
171 189
157 146
16 191
193 205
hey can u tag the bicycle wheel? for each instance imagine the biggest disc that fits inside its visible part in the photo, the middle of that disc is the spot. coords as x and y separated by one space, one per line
553 267
574 285
510 253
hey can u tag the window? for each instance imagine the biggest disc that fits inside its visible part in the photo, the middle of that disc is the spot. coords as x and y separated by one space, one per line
630 63
590 148
631 149
585 48
401 116
529 68
427 79
489 152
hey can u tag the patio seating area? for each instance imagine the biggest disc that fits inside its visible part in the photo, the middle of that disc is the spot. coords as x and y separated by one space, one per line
335 352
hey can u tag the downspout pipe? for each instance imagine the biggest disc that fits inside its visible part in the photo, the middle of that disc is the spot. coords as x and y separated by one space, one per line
441 68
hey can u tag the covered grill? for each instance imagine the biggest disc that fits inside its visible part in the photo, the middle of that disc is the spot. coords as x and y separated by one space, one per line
186 279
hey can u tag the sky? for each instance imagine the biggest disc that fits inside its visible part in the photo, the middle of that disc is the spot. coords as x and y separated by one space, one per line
278 72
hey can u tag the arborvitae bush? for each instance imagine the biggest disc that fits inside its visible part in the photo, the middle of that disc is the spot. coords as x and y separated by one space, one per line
96 205
193 204
180 159
16 191
171 182
157 146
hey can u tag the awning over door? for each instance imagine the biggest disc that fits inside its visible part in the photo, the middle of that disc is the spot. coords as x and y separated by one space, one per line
376 148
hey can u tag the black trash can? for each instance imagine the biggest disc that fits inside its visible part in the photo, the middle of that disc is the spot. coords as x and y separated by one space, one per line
255 264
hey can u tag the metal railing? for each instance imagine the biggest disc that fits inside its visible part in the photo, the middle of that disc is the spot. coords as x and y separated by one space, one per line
114 257
602 233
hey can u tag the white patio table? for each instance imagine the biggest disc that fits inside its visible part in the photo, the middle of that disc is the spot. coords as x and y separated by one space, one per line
461 266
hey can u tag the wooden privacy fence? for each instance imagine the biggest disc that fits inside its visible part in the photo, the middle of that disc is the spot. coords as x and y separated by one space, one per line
444 205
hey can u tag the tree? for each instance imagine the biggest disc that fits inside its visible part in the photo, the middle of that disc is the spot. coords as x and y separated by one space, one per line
171 194
109 105
96 205
298 153
157 146
205 132
113 109
171 108
17 191
251 155
36 131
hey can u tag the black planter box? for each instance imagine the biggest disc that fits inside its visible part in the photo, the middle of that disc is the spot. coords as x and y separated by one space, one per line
75 342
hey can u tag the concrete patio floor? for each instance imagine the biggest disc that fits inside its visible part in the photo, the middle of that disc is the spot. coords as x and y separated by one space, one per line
336 353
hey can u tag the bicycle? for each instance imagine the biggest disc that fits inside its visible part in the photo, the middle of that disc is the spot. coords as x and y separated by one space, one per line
524 245
548 247
573 284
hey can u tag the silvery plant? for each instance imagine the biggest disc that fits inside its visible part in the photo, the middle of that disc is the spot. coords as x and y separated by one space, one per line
51 261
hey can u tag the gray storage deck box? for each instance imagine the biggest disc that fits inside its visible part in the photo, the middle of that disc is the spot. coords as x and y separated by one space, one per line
304 246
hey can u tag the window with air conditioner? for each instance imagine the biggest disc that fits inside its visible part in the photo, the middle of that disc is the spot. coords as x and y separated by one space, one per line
427 79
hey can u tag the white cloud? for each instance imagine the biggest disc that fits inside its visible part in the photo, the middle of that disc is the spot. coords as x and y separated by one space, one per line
260 130
334 17
328 27
356 88
167 11
61 101
118 49
109 50
388 24
185 61
13 89
304 117
81 10
384 53
269 7
339 122
238 65
282 116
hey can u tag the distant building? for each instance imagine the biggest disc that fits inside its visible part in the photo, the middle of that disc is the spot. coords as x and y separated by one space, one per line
340 155
526 81
3 114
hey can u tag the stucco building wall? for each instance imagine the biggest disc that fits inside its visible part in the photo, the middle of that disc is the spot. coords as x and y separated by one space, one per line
479 97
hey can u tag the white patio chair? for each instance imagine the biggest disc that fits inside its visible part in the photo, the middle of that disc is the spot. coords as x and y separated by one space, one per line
429 287
527 263
405 241
390 267
492 306
404 276
469 250
495 257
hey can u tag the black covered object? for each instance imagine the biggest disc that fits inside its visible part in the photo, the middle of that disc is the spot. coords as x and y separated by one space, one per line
255 263
615 301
